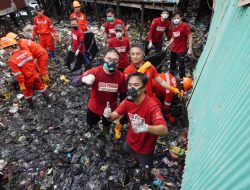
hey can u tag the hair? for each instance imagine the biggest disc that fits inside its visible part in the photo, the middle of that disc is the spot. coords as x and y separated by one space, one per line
177 13
111 50
138 45
165 10
110 10
73 19
142 77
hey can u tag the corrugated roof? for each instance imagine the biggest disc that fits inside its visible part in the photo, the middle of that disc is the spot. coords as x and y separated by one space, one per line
219 110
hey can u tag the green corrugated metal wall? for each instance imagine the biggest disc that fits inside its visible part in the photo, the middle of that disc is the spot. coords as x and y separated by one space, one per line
219 110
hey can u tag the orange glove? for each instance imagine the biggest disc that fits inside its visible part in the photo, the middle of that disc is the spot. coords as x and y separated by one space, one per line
22 87
118 129
176 91
144 67
45 78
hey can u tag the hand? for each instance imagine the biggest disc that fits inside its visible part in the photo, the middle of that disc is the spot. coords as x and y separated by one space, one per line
190 51
45 78
77 81
138 124
107 111
22 87
174 90
103 44
89 79
77 52
150 45
166 47
69 48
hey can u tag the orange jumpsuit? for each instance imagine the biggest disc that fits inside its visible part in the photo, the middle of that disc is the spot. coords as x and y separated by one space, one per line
23 68
165 93
82 20
44 27
38 52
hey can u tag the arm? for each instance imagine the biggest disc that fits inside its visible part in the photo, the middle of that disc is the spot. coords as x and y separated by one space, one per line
190 41
34 32
17 73
158 130
165 85
170 42
113 116
151 30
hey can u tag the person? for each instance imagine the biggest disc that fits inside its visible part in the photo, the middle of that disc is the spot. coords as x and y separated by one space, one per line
43 26
22 66
166 96
122 45
181 35
81 18
137 57
158 27
110 25
77 48
38 53
106 83
146 122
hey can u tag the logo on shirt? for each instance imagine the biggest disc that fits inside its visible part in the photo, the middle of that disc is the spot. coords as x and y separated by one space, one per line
74 36
121 49
135 118
41 22
22 56
158 115
81 18
176 34
111 31
160 28
107 87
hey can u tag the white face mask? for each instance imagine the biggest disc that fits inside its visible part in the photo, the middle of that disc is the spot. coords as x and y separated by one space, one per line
118 34
165 16
176 21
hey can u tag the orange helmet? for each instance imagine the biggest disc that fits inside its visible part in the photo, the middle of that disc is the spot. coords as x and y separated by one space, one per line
76 4
5 42
11 35
187 83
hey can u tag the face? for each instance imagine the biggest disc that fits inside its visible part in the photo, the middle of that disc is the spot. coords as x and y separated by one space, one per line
73 24
39 13
137 84
8 50
164 15
110 17
137 55
111 56
176 19
77 9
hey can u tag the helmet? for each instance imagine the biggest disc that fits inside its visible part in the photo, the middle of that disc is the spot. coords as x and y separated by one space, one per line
76 4
11 35
119 27
38 8
5 42
187 83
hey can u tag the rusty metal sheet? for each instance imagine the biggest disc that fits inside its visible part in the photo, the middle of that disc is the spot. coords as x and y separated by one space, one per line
9 6
21 3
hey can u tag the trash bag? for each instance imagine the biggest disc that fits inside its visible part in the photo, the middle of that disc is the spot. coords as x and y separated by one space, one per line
157 60
90 44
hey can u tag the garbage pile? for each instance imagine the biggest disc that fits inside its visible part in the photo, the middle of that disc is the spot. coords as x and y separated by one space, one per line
51 147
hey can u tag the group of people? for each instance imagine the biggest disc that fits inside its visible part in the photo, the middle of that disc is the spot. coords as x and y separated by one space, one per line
145 96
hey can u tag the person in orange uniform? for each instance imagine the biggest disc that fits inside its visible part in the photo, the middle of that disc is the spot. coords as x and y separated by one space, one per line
81 18
165 95
43 26
23 68
38 53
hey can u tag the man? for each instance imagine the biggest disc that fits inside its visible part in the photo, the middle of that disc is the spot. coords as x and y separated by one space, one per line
158 27
138 64
145 119
110 25
44 28
38 53
166 96
81 18
181 35
106 82
122 45
77 48
22 65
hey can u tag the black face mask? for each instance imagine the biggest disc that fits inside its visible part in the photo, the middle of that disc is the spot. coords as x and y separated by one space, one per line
110 66
75 27
132 94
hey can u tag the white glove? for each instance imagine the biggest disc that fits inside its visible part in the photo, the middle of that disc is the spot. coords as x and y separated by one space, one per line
89 79
69 48
138 124
150 45
107 111
103 44
190 51
77 52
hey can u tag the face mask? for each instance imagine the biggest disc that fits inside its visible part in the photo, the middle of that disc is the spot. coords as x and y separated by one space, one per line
75 27
110 66
118 34
110 18
176 21
165 16
132 94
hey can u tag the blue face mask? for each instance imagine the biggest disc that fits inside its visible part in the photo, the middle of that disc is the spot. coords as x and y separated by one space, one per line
110 66
110 18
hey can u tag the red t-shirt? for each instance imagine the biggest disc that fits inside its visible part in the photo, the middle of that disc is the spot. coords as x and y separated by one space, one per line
157 29
105 89
123 47
143 143
180 34
110 27
77 38
151 74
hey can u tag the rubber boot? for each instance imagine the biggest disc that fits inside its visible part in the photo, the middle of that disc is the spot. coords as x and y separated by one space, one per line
46 96
31 104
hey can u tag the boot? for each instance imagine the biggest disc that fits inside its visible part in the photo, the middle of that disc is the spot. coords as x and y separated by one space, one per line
46 96
31 104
